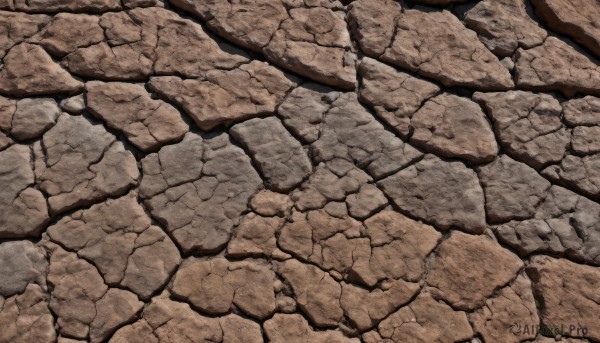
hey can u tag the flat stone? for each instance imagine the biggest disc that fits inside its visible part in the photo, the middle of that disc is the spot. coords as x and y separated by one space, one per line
127 107
21 263
455 127
214 285
184 48
373 24
68 32
23 210
366 309
165 320
467 269
394 95
26 318
579 173
37 74
315 43
199 189
118 237
81 163
513 304
574 18
583 111
33 117
279 156
226 96
512 190
568 292
317 293
556 65
74 104
52 6
505 25
255 236
367 201
528 126
83 304
426 320
268 203
17 27
446 194
586 140
293 328
236 22
433 44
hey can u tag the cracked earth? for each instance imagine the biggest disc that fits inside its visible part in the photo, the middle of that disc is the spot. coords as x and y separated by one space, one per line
298 171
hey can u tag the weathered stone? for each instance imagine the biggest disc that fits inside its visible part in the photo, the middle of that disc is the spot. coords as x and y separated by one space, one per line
279 156
293 328
21 263
580 173
226 96
33 117
199 188
452 126
512 190
127 107
505 25
51 6
74 104
366 309
318 295
568 293
25 318
467 269
68 32
23 210
349 132
574 18
394 95
184 48
35 75
434 44
426 320
82 302
367 201
255 236
16 27
513 304
236 22
80 163
446 194
528 125
586 140
117 236
267 203
373 24
129 4
213 285
583 111
130 52
556 65
315 43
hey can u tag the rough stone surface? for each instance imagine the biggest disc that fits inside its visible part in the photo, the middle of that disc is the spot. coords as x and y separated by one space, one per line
293 328
78 163
26 318
279 156
574 18
556 65
146 122
32 117
21 263
446 194
505 25
485 264
16 27
83 30
451 126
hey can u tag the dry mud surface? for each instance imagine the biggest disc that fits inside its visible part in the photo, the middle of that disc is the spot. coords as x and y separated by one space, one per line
298 171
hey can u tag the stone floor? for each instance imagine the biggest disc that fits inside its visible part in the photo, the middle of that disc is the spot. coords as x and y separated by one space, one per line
299 171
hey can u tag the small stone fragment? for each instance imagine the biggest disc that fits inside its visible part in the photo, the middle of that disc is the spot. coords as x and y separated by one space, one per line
255 236
452 126
279 156
146 122
444 193
33 117
21 263
467 269
269 204
367 201
583 111
73 105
